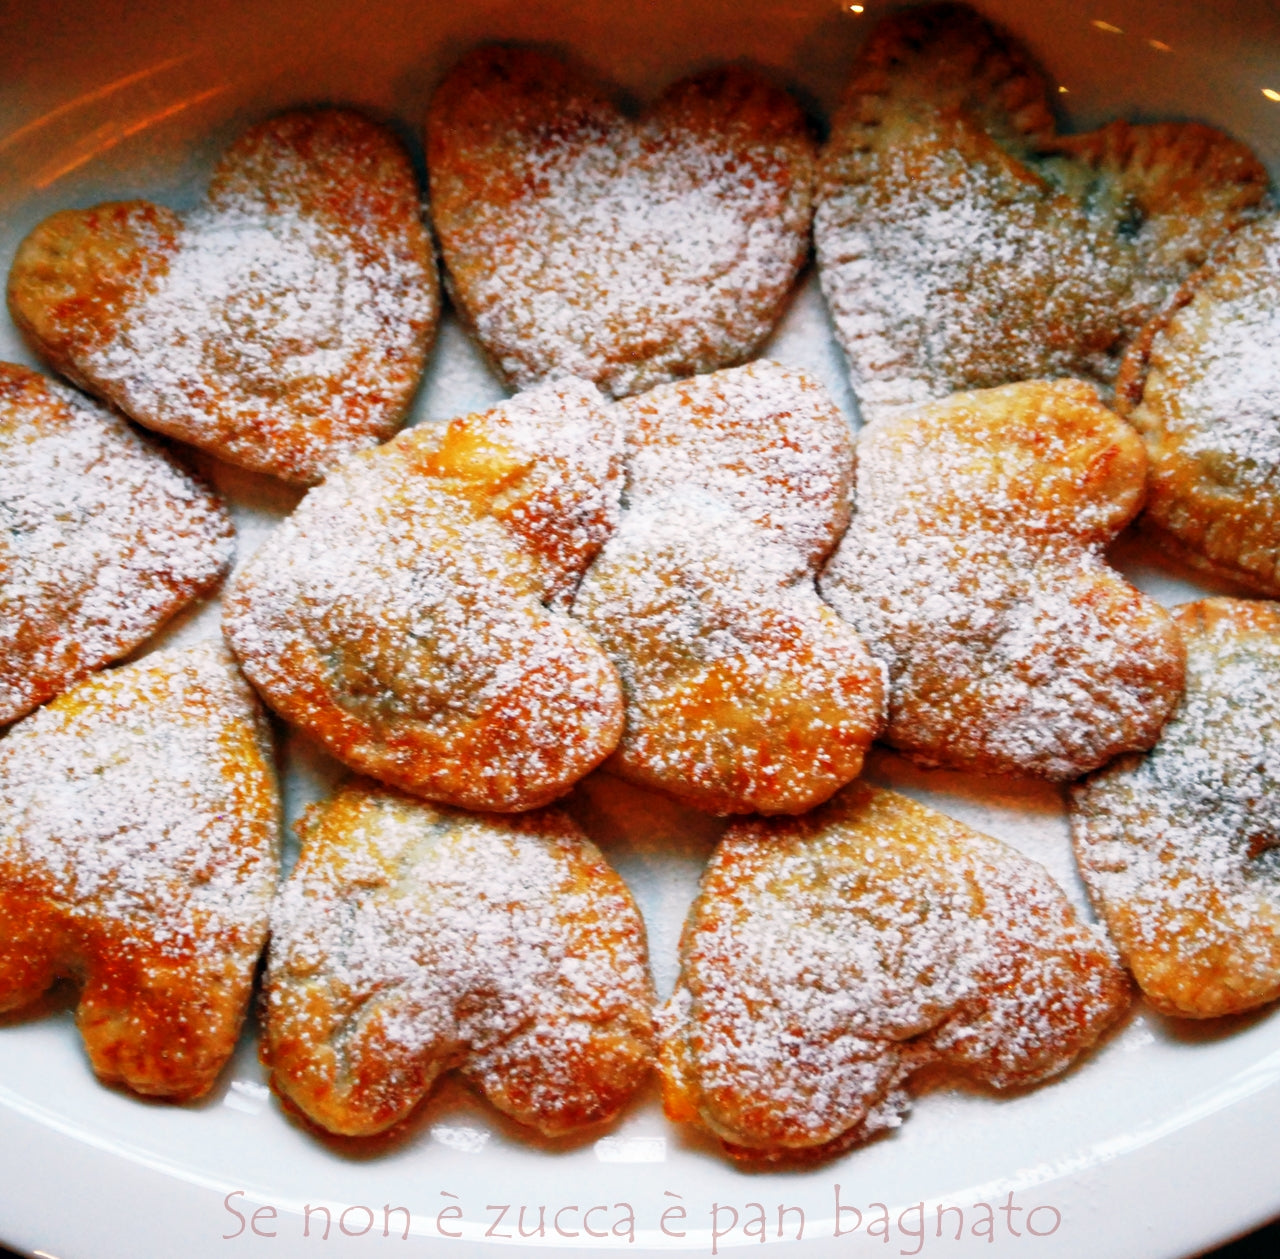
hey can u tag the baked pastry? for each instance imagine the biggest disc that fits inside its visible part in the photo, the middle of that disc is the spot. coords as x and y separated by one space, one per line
410 613
412 939
974 571
829 957
1202 386
962 244
139 850
102 539
745 693
282 325
579 242
1180 848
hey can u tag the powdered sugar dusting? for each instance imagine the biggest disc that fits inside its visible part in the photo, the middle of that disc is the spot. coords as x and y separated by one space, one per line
962 245
765 439
1219 397
828 959
1241 394
743 692
282 325
1181 849
627 254
102 539
261 319
973 571
401 613
945 274
143 805
444 939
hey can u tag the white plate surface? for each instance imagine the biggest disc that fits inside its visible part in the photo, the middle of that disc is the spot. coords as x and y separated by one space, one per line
1160 1144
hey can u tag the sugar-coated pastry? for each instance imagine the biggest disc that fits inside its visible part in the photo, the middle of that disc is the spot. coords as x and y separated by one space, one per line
745 693
579 242
829 957
102 538
1202 386
962 244
1180 848
139 852
409 614
974 570
282 325
412 939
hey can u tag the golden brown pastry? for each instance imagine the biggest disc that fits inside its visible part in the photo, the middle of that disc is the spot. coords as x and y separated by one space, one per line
962 244
1202 386
1180 848
974 571
578 242
830 957
102 539
412 939
745 693
139 850
410 613
282 325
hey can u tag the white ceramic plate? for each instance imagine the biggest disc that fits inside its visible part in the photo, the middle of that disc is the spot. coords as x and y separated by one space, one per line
1162 1143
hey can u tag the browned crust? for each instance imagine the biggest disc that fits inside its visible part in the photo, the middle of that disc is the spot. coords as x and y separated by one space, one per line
1080 480
81 273
1215 525
157 1016
504 702
325 1045
1201 938
52 639
899 866
1083 236
504 109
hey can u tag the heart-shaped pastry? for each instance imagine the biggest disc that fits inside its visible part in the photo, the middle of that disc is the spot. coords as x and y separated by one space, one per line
578 242
139 851
962 244
282 325
1180 848
102 538
974 570
410 614
745 693
411 940
829 957
1202 386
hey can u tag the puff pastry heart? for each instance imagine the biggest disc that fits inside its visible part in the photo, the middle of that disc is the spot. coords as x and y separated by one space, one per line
830 957
974 571
282 325
139 851
745 693
1180 848
103 537
962 244
411 939
578 242
410 613
1202 386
